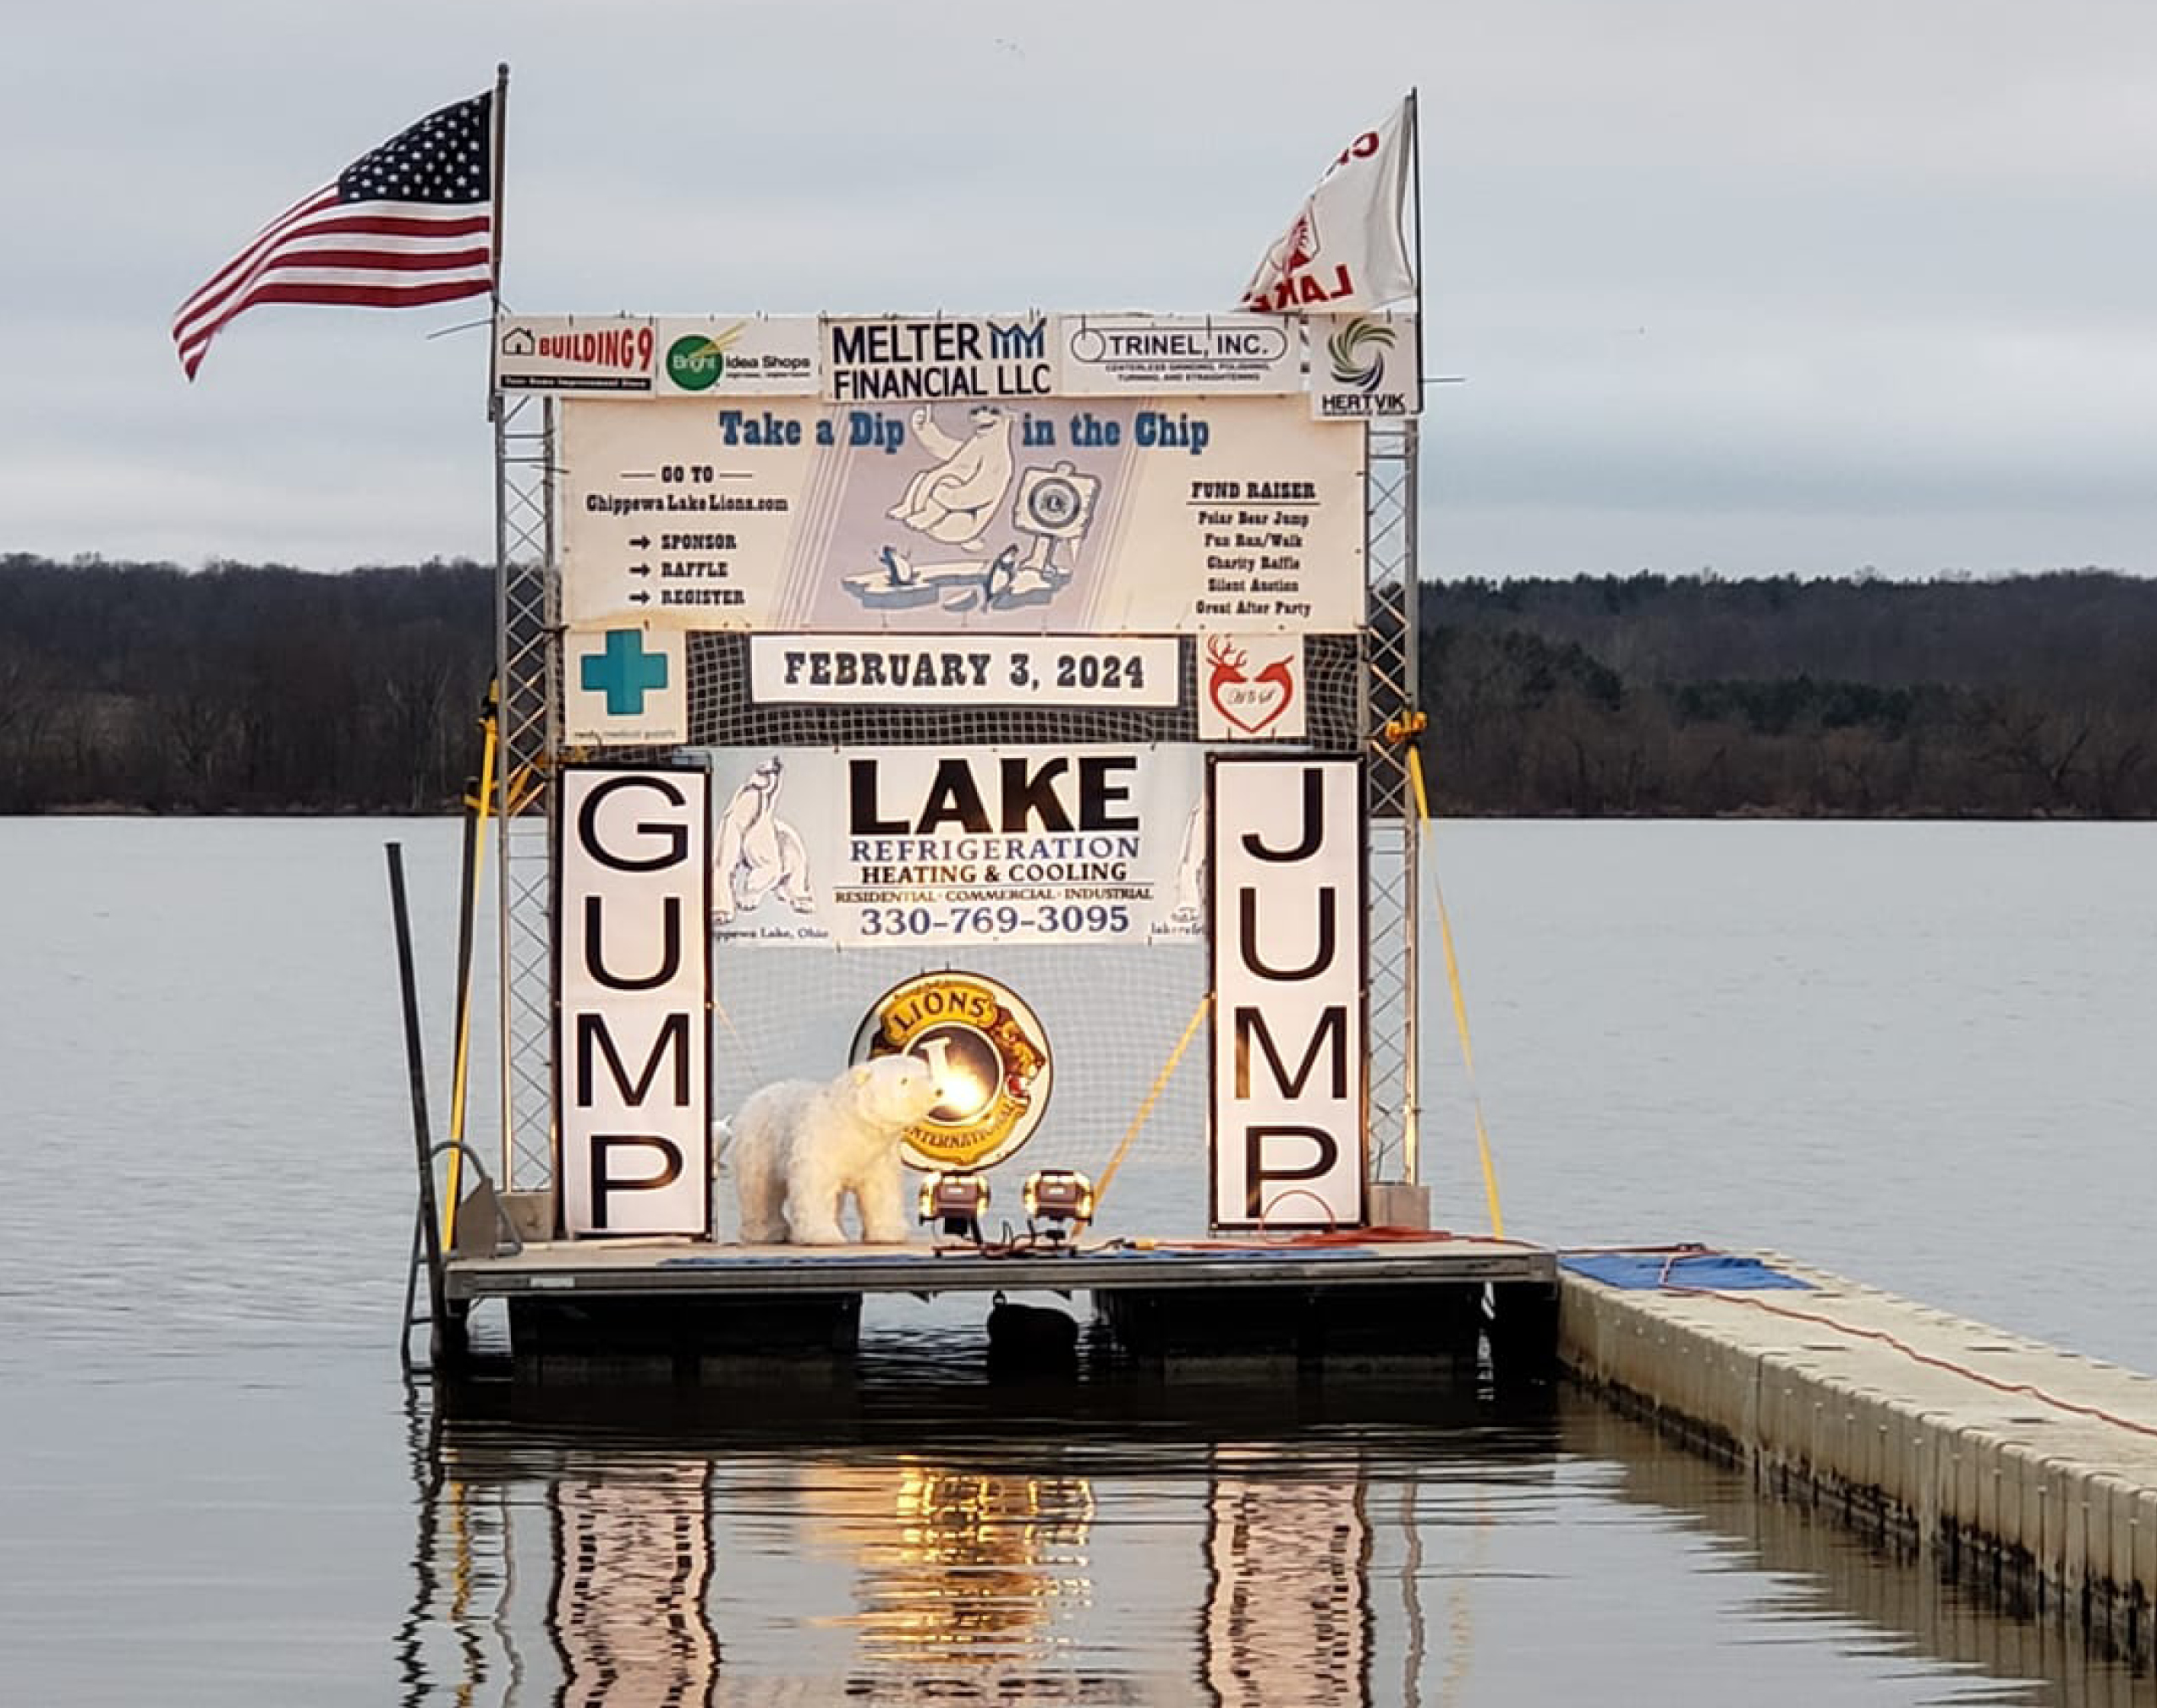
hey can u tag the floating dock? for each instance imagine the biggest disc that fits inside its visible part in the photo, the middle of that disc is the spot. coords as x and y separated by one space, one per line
670 1305
2015 1465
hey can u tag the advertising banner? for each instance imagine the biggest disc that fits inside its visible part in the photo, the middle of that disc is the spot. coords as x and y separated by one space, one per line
624 686
737 355
1147 356
898 358
1362 367
665 356
922 845
1118 516
573 352
1288 939
632 1044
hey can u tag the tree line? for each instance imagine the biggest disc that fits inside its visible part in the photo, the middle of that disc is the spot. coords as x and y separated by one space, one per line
2025 697
263 689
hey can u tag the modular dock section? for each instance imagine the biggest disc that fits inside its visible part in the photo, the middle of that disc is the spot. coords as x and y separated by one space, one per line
574 1304
2014 1465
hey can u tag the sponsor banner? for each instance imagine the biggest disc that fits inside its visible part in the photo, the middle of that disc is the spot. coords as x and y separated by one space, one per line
1362 367
1023 670
633 993
903 358
624 686
926 846
1150 354
1251 688
1116 517
573 352
1287 913
754 355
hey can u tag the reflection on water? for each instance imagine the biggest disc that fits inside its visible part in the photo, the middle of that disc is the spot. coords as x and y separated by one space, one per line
917 1534
1119 1540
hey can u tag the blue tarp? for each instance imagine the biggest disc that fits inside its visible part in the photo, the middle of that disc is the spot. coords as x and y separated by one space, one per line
1645 1271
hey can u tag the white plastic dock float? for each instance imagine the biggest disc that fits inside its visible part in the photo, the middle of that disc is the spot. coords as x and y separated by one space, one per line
2010 1459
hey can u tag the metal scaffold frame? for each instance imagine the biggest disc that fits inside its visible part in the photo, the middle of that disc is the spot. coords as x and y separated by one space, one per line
1391 719
528 618
528 610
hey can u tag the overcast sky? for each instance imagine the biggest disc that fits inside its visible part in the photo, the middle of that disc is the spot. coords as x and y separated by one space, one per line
1783 285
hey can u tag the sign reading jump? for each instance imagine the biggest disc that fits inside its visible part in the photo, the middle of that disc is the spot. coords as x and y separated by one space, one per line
1288 1011
632 1025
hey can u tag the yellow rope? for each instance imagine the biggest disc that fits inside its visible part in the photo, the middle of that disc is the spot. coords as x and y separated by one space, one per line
1453 984
1146 1108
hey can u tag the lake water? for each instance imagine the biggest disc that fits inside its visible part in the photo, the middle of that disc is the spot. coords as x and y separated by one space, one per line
1917 1054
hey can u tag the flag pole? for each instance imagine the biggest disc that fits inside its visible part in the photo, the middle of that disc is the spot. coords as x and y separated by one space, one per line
1415 202
501 113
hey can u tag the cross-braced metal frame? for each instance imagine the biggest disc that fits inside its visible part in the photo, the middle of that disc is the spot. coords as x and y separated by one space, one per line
528 656
527 609
1390 721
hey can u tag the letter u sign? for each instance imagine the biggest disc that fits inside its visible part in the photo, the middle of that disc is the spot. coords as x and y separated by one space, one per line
1287 929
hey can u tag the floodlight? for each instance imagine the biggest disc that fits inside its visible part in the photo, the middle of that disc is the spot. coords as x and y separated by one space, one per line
956 1200
1063 1198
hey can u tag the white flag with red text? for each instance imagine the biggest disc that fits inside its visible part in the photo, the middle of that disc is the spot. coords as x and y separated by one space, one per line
1345 249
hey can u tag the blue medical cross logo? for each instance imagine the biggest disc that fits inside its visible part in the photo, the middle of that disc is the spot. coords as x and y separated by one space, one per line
624 673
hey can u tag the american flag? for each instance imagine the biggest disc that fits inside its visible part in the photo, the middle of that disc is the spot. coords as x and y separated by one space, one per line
405 225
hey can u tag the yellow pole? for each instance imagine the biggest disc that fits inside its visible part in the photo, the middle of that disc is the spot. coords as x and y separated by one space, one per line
461 1073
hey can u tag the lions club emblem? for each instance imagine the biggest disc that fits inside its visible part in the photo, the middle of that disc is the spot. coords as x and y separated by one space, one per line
989 1053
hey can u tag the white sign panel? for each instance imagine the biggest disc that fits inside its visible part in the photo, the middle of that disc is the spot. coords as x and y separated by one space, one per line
1362 367
932 846
1112 517
632 989
1288 1023
1252 687
738 356
899 359
1021 670
625 686
573 352
1152 354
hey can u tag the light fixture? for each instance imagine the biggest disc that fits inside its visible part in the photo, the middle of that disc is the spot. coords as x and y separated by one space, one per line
1063 1198
956 1200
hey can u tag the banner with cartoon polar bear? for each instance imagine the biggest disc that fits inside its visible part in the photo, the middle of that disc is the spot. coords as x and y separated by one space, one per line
901 847
1056 515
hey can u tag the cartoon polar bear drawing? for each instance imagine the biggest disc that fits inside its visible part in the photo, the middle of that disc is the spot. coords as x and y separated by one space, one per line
801 1147
759 853
954 501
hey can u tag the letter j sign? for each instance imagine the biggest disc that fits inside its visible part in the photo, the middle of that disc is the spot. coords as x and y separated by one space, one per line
1289 1023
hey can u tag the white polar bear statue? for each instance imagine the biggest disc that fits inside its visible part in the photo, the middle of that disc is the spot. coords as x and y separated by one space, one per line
798 1148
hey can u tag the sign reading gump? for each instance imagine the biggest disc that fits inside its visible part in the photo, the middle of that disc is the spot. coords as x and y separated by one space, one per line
632 1029
922 845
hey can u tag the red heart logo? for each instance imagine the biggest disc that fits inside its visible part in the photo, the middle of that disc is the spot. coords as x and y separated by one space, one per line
1252 703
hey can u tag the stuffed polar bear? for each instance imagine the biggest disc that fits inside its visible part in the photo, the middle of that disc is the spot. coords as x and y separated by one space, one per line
798 1148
